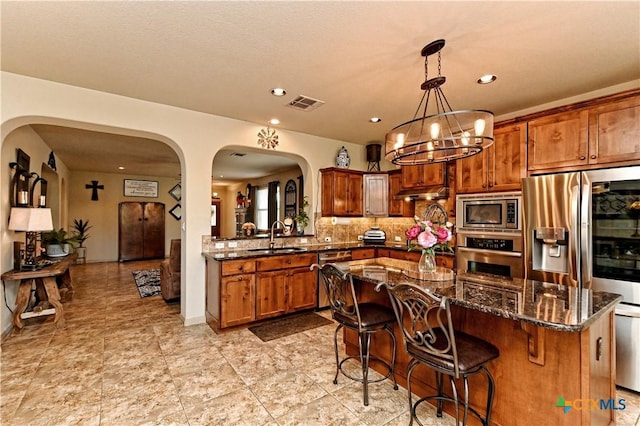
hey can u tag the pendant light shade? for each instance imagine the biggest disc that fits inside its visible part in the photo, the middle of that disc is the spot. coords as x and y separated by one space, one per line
439 134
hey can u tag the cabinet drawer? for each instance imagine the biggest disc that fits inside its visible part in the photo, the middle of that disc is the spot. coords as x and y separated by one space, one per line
232 267
273 263
358 254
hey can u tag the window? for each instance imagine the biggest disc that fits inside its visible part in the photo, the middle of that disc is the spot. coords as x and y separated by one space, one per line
262 213
262 207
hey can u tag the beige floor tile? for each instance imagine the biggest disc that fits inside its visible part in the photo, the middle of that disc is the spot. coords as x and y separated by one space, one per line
123 360
286 391
239 408
324 411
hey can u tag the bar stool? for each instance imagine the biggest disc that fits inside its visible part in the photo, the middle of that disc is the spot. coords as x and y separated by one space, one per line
430 339
364 318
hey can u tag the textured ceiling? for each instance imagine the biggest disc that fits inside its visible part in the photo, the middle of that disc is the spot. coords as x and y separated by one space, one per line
361 58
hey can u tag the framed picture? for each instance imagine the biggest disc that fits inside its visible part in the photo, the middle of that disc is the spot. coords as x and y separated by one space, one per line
140 188
176 192
23 160
176 212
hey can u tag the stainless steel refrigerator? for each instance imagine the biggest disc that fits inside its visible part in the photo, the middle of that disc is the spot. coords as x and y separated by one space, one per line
582 229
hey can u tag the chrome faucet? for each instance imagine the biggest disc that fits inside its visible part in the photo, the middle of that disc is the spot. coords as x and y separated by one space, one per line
273 227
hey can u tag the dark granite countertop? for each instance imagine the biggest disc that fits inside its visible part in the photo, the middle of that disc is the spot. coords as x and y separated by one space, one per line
546 305
243 253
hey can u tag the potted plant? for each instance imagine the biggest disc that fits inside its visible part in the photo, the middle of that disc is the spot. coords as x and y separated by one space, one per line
302 219
80 233
57 243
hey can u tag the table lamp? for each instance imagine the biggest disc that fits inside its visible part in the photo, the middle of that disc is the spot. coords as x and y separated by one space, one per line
32 221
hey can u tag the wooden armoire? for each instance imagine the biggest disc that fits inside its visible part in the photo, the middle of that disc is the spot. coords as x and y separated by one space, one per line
140 231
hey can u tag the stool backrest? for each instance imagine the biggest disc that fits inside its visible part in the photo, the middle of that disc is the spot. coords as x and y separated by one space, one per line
340 291
425 321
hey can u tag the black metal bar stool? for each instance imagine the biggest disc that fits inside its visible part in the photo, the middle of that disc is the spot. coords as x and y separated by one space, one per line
430 339
364 318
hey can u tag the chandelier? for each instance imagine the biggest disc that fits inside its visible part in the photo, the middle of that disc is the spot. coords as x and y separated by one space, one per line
445 135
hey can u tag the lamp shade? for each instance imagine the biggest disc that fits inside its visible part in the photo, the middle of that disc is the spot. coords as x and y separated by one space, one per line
30 220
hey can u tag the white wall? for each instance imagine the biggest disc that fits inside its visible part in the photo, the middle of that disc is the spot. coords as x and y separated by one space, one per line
196 137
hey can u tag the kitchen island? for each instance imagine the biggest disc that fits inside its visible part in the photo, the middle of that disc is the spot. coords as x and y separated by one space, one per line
557 344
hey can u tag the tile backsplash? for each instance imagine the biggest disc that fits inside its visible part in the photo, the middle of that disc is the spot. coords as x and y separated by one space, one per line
343 230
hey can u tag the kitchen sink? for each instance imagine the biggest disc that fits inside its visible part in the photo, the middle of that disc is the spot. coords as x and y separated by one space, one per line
278 250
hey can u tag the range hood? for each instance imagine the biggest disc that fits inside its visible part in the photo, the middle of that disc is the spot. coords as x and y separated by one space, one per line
423 194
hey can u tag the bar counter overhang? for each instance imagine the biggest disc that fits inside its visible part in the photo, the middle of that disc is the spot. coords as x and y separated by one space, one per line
555 342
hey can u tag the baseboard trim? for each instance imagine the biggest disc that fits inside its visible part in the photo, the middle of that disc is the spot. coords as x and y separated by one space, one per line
194 320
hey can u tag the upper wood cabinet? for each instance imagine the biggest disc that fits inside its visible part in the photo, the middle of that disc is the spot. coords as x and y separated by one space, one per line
341 192
398 207
559 140
423 176
606 132
499 167
614 132
376 195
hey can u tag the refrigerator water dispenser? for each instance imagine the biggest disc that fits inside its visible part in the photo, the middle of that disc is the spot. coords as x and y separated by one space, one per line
550 250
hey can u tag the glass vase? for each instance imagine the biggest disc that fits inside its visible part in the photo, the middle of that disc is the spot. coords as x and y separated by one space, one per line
427 263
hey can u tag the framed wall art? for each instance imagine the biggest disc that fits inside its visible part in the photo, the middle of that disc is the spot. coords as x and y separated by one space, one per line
140 188
176 212
176 192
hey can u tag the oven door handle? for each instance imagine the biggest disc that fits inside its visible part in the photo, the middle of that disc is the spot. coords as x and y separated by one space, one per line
481 251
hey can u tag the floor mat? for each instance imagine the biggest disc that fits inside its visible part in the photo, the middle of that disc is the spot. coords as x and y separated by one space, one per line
289 325
148 282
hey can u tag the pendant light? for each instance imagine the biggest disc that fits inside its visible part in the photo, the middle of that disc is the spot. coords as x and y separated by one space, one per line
445 135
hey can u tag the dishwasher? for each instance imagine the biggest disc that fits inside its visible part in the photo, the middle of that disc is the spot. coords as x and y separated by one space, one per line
341 259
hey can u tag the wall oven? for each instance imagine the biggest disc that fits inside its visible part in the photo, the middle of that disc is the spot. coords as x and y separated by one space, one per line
490 253
489 233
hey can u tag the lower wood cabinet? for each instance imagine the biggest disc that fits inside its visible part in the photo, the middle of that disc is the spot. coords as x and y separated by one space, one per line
238 300
285 284
237 292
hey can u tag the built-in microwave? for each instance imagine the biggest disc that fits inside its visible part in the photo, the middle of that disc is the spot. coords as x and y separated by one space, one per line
490 211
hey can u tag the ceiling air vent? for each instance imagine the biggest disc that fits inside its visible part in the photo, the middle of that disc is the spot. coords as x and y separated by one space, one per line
305 103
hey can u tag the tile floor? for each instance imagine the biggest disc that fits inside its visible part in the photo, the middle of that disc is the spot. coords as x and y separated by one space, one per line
123 360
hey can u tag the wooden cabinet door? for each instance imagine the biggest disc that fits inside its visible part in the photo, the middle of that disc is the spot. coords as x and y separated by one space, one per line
140 231
376 195
302 289
422 176
398 207
614 132
271 293
130 231
341 193
153 222
237 300
354 195
472 173
558 141
506 159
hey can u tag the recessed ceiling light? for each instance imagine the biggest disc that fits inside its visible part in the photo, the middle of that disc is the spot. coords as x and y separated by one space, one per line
487 78
375 119
274 121
278 91
120 168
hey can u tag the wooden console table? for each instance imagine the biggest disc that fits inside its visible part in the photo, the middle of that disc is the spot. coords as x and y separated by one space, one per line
47 290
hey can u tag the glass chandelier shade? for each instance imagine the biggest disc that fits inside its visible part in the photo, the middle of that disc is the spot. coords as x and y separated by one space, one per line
439 134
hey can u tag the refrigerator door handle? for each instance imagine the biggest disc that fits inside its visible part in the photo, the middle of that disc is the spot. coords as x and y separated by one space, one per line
574 245
585 233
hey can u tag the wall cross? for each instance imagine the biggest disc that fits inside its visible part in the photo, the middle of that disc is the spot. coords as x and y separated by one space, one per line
94 187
